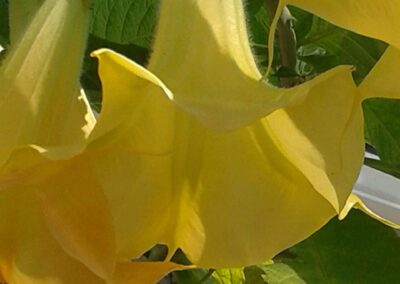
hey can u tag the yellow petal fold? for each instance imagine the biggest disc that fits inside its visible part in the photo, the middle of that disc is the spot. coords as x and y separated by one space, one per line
72 203
323 136
355 202
40 101
28 252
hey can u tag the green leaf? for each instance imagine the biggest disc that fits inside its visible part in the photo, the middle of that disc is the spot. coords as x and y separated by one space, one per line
193 276
325 46
124 21
383 128
355 250
228 276
281 273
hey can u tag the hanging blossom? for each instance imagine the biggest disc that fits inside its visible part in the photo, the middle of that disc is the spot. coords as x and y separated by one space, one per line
204 157
55 225
194 152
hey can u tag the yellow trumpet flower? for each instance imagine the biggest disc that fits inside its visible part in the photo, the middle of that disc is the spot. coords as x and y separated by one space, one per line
55 225
199 154
194 152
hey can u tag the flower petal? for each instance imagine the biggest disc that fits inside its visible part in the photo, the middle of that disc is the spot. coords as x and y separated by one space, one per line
78 216
227 199
128 90
28 252
39 92
323 136
355 202
72 202
383 79
376 19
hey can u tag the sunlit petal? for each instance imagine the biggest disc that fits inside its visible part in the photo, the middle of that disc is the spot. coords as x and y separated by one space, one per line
383 79
323 136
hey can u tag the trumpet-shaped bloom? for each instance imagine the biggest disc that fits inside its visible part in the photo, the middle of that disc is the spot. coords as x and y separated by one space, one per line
56 226
211 160
195 152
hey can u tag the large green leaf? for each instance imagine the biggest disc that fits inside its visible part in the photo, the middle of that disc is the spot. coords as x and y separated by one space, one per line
356 250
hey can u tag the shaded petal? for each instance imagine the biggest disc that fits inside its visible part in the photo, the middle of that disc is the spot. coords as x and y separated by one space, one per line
128 90
28 252
40 101
73 205
355 202
323 136
383 79
376 19
78 216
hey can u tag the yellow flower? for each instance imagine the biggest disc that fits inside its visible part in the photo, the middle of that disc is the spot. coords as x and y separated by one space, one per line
199 154
56 226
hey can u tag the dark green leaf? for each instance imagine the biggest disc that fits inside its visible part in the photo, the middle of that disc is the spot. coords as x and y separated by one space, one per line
325 46
383 128
124 21
355 250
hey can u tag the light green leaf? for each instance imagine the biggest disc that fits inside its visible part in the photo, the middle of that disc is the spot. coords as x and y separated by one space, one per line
228 276
281 273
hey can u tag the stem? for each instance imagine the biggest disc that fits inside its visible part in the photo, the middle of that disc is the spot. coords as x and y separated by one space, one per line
287 43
